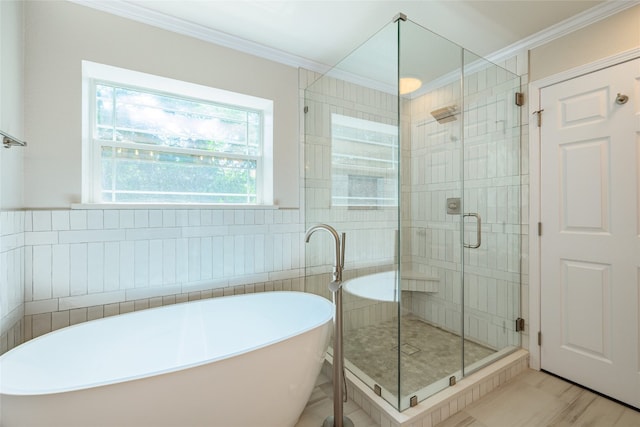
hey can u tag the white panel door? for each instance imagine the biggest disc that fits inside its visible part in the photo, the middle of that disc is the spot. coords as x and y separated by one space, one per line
590 244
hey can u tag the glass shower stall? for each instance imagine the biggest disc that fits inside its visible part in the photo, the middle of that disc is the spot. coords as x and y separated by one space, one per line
412 148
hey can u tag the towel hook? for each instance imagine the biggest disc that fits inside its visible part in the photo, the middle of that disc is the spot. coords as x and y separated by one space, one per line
621 99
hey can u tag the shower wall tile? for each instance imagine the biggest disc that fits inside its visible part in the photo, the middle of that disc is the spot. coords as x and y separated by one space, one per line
495 173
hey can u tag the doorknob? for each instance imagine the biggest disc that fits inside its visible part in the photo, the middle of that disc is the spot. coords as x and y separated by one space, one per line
478 230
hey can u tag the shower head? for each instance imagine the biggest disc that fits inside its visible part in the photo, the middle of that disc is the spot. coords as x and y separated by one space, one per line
445 114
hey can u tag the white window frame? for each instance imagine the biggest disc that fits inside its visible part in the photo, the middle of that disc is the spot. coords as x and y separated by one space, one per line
94 73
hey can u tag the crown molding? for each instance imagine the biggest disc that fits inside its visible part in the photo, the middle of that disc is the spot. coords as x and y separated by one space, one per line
618 58
141 14
581 20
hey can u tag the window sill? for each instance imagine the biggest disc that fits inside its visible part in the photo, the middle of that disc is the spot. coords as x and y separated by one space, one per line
176 206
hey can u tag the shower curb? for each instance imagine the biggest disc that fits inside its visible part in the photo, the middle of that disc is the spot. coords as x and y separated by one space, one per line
442 405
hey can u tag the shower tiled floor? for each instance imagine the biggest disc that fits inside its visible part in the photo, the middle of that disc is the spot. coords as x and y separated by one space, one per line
427 353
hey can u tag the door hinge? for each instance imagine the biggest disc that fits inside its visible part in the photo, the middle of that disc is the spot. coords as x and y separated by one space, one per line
539 338
539 229
539 114
519 324
306 109
519 98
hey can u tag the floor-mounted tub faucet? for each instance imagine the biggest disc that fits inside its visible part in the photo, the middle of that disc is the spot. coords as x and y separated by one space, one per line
338 419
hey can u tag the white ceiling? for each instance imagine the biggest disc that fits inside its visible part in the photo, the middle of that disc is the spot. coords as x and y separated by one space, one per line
317 33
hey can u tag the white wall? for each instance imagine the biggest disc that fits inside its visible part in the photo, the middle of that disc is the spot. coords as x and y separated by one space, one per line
11 101
11 189
618 33
59 35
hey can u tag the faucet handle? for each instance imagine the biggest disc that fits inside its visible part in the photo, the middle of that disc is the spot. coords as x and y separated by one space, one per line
342 240
335 285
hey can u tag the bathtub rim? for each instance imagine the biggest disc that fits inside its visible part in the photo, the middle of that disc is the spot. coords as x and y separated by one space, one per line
174 368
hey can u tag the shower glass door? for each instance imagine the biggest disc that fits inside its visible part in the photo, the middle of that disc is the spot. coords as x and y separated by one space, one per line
425 182
492 182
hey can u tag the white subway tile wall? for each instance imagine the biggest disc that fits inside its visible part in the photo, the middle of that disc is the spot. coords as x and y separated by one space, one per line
82 265
12 257
491 166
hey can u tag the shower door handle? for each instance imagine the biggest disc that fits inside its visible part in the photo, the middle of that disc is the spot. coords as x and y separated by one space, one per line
478 230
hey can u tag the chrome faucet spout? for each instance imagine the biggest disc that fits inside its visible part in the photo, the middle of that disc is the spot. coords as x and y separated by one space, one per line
338 419
338 263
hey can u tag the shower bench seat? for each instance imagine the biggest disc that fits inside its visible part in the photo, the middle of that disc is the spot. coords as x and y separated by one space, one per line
382 286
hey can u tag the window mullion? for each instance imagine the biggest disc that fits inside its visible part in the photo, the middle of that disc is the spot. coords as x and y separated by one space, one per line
180 150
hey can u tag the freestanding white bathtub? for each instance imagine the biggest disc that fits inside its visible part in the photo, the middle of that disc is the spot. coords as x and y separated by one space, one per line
247 360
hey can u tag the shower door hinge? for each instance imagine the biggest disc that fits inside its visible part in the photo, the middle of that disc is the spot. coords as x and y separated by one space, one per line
413 401
539 114
539 229
539 338
519 99
377 389
306 109
519 324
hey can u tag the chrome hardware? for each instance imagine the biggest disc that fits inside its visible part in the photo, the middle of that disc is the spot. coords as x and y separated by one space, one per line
621 99
519 99
539 113
339 393
413 401
399 17
9 141
519 324
445 114
338 264
452 380
478 230
377 389
453 206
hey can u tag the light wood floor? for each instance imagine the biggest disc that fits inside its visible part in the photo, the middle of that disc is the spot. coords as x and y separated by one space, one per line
320 406
532 399
538 399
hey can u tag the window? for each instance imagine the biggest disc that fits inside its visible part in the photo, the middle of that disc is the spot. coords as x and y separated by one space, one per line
364 158
152 141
